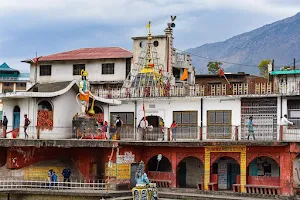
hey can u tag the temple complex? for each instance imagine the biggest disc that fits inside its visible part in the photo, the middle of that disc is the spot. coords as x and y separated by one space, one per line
102 111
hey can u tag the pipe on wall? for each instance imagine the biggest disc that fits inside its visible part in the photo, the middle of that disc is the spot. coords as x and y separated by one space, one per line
201 112
135 118
280 107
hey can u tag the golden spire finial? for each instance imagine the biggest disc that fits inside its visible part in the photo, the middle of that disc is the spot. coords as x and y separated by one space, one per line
149 30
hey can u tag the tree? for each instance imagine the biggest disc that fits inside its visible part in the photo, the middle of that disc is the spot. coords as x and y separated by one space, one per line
213 67
263 67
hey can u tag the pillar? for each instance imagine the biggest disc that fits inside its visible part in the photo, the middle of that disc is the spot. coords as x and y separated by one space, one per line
14 87
243 169
206 168
174 169
286 166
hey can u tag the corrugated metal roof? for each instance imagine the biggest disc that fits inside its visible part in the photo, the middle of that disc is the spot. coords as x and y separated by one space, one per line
5 67
285 72
88 54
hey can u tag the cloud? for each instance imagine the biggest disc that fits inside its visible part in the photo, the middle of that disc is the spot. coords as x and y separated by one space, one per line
51 26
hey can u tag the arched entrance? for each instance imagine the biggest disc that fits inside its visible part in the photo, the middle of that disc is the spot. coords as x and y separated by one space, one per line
16 117
225 171
164 165
264 166
155 133
190 171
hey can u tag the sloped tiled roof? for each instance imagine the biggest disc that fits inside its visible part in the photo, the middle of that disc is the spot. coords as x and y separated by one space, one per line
88 54
49 87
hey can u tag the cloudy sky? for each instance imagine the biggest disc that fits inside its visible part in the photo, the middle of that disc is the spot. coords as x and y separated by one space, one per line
52 26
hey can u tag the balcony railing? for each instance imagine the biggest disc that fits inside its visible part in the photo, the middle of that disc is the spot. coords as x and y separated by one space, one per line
289 88
266 132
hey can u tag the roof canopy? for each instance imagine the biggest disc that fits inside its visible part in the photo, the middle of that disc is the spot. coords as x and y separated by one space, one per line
87 54
285 72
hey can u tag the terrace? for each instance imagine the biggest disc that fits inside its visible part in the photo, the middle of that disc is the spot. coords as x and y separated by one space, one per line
234 89
184 134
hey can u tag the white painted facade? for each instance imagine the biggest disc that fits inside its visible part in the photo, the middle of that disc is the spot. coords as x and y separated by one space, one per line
63 71
64 108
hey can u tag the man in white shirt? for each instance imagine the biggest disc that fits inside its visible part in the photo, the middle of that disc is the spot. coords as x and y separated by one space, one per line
285 122
144 125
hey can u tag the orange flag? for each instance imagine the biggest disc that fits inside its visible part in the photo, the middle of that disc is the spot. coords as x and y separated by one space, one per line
185 75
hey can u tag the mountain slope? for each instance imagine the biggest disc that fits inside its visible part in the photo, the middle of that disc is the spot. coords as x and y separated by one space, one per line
279 41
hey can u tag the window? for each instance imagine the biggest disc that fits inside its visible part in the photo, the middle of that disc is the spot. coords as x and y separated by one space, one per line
155 43
45 70
127 118
128 66
108 68
219 124
294 112
77 68
186 124
45 105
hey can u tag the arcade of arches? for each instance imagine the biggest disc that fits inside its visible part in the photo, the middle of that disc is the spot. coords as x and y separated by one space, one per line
185 168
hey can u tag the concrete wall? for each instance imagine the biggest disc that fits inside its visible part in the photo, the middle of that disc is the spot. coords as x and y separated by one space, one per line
63 71
161 49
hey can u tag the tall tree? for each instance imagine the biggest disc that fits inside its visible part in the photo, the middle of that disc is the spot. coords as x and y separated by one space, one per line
263 67
213 67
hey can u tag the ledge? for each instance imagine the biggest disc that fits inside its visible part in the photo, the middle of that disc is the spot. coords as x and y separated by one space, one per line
69 143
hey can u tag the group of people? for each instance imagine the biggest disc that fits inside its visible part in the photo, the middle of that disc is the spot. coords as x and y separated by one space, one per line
109 132
284 122
52 177
5 122
146 127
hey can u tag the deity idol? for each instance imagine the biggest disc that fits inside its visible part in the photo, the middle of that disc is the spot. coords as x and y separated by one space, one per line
84 92
140 176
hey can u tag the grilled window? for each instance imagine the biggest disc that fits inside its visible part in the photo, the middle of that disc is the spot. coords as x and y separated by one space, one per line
108 68
187 124
45 70
77 68
219 124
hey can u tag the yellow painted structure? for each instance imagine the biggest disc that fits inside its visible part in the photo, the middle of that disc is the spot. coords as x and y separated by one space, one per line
243 165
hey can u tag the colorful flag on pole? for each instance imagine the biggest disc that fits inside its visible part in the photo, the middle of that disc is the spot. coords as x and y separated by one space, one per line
184 75
221 72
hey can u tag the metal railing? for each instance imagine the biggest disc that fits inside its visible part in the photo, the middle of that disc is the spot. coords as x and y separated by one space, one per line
10 184
253 88
261 132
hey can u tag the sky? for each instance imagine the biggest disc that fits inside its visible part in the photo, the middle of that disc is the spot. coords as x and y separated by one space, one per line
52 26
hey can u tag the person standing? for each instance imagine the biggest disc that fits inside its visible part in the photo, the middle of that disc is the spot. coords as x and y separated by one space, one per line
66 174
119 124
50 172
104 130
4 125
173 129
285 122
144 125
26 124
250 128
54 179
162 130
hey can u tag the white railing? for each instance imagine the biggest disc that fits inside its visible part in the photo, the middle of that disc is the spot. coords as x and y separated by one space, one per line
31 184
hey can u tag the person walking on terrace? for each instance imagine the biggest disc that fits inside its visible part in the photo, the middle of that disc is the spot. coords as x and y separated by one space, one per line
285 123
26 124
50 173
250 128
173 129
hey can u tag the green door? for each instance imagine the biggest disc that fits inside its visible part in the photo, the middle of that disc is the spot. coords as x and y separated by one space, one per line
182 175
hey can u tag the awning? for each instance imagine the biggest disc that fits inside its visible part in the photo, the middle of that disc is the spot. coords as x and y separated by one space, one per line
62 88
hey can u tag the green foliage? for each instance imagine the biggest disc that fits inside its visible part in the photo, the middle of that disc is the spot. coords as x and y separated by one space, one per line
213 67
263 67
